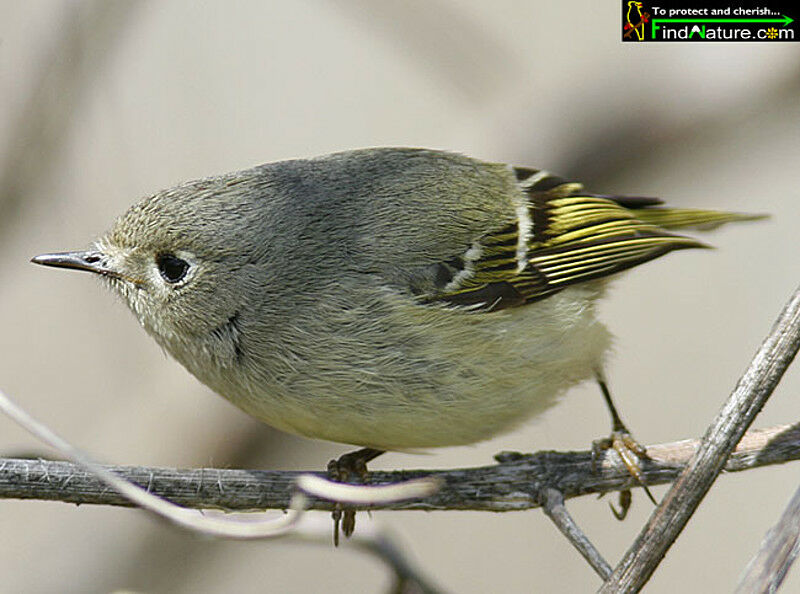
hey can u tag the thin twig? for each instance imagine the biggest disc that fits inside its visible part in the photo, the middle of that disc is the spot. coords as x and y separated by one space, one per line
375 540
766 570
751 393
553 506
303 487
512 485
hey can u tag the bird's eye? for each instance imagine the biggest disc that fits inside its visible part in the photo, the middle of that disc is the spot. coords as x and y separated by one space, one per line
172 268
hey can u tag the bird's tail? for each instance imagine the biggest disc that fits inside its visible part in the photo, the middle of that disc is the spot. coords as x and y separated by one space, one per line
677 218
648 210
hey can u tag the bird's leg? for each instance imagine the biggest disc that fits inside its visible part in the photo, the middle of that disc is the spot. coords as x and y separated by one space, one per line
626 447
353 464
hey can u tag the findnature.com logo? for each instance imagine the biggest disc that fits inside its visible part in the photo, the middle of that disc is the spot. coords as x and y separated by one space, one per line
707 21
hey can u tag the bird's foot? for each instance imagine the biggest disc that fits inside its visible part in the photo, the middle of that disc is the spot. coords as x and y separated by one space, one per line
342 470
630 452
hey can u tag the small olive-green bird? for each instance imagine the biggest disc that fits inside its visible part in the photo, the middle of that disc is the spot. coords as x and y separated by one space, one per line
390 298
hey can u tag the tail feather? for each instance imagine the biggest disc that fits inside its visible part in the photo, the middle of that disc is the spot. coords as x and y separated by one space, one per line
676 218
649 210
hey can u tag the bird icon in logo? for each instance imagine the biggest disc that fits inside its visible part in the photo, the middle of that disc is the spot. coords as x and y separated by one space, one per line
635 14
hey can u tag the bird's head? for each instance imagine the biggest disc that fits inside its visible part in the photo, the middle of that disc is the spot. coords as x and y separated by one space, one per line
183 259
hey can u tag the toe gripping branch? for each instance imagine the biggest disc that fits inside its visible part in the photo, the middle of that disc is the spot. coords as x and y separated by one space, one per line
342 470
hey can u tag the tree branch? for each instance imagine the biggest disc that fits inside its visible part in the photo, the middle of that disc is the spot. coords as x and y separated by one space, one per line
553 506
775 556
516 483
751 393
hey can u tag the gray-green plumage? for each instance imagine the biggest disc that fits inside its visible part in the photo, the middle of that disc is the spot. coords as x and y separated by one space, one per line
392 298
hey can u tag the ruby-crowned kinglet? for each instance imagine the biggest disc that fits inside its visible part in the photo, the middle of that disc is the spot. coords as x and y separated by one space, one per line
390 298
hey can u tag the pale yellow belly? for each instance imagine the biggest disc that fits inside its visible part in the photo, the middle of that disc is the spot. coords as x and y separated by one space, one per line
466 377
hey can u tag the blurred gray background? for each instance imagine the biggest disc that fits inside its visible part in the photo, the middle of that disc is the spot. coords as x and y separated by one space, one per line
104 102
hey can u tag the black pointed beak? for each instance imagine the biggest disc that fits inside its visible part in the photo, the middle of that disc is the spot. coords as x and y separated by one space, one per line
91 261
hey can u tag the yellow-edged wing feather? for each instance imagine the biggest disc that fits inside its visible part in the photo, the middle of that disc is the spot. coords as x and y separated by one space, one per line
574 236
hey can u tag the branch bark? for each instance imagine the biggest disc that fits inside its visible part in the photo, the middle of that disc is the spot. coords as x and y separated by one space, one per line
515 483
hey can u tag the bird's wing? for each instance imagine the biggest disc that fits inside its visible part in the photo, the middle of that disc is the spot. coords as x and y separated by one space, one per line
562 236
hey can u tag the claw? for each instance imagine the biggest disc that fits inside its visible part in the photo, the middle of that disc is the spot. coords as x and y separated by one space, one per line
337 519
348 522
625 500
